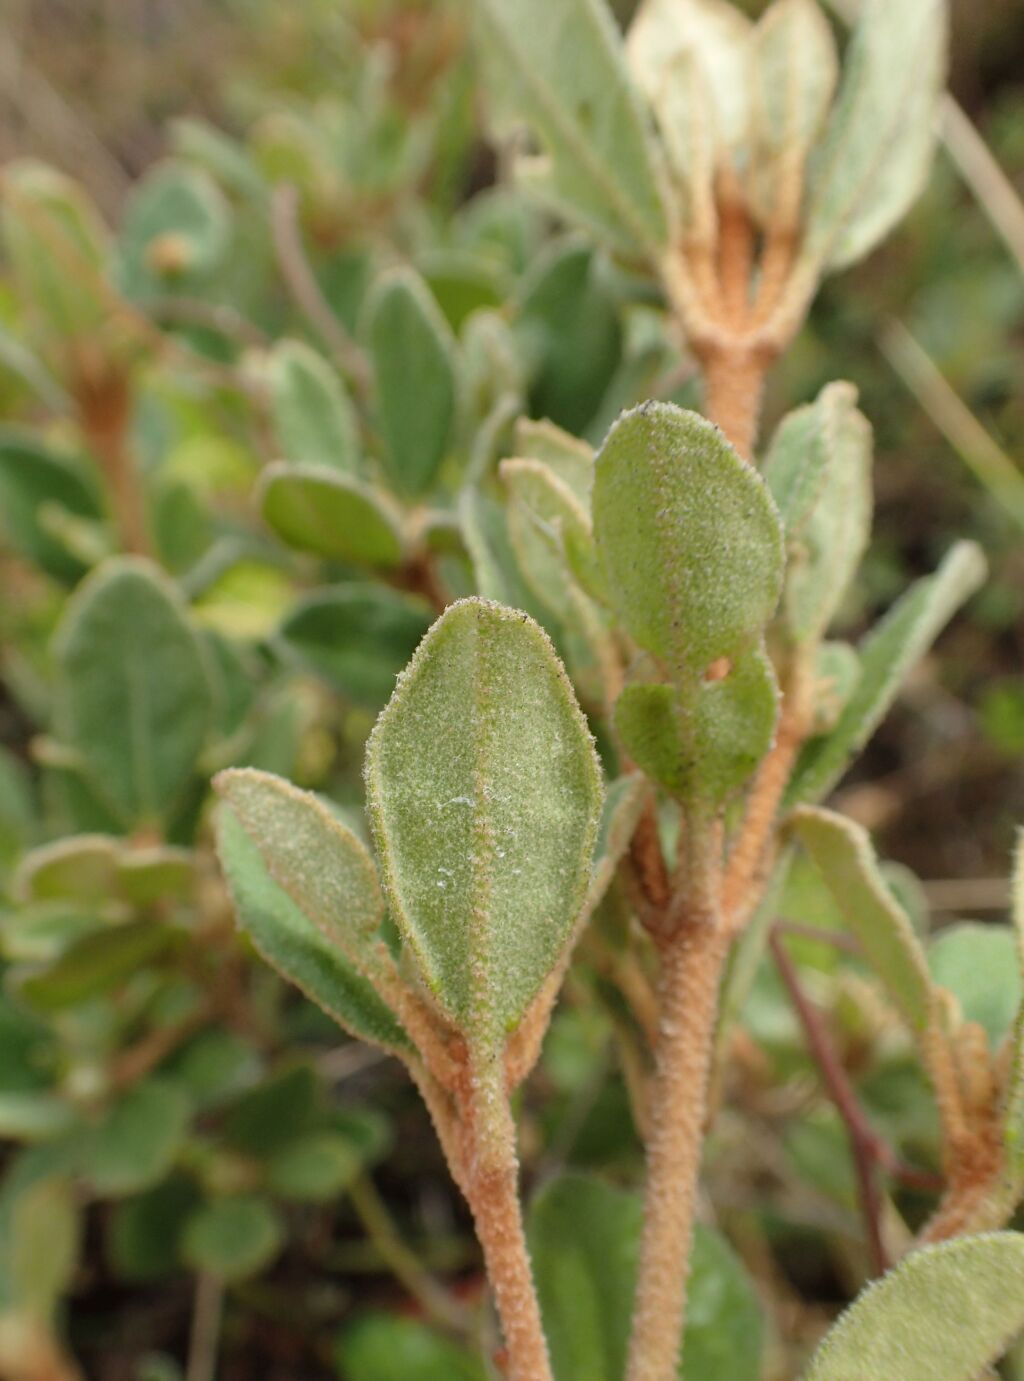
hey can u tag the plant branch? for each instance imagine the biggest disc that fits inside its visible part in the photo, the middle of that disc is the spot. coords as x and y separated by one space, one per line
305 291
204 1339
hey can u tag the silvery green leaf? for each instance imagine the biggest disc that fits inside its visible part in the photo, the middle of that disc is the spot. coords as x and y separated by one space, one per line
310 854
623 804
176 231
837 672
819 470
942 1314
135 700
313 418
685 112
978 965
569 458
717 36
484 794
876 150
484 527
689 537
559 69
709 748
538 488
319 510
292 943
795 72
845 857
414 370
886 656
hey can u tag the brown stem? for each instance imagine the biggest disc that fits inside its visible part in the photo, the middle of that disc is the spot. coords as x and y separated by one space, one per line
103 399
494 1200
734 377
692 964
204 1342
863 1143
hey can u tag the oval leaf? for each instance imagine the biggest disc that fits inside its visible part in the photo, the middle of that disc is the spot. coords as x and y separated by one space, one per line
313 418
484 794
318 510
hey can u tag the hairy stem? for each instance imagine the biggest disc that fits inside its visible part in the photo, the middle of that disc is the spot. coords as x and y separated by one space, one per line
104 412
734 376
692 964
493 1193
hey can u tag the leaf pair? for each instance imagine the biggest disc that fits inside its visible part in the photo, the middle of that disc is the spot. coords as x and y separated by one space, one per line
484 794
690 544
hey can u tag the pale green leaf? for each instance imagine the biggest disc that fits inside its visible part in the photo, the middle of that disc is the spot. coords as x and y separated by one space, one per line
571 460
843 853
560 69
383 1347
83 867
313 418
553 504
584 1239
318 510
943 1314
685 109
34 481
689 536
886 656
414 369
310 854
234 1237
484 794
876 150
795 72
978 965
485 530
135 699
624 800
292 943
357 637
137 1139
175 231
43 1247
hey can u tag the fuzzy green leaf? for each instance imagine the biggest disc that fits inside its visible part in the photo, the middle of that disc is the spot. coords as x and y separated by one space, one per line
843 853
357 637
584 1239
318 510
135 698
292 943
571 460
943 1314
485 531
560 68
978 965
876 151
623 803
414 368
711 749
819 471
556 509
233 1238
313 418
309 853
886 656
484 795
690 539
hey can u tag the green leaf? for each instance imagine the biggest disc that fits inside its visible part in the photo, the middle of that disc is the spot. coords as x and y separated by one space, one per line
819 471
555 507
43 1246
584 1239
290 942
484 527
795 72
710 38
224 158
357 637
314 1168
843 853
82 868
689 536
381 1347
312 415
268 1117
318 510
571 460
413 359
978 965
233 1238
887 654
57 248
311 855
35 481
135 699
943 1314
731 730
560 67
32 1115
94 965
144 1237
876 151
137 1140
484 794
175 231
624 800
1013 1097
